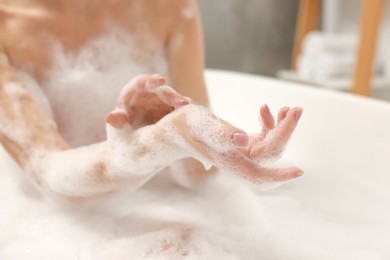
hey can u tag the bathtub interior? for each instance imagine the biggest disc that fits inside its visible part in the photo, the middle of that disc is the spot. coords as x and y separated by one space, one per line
337 210
338 131
342 143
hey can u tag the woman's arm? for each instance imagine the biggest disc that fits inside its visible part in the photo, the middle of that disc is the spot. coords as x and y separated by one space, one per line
24 126
186 52
127 159
186 66
32 139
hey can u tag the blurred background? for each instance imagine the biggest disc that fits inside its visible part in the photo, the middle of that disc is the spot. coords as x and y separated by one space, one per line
254 36
257 36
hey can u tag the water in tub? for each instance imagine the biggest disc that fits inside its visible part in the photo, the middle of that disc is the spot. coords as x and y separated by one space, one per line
224 218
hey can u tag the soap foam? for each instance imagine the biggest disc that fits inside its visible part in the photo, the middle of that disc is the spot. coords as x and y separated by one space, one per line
223 218
83 87
320 216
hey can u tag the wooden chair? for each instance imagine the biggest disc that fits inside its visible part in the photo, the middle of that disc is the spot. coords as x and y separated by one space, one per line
308 19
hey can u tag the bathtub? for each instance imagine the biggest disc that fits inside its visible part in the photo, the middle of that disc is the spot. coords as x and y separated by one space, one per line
338 132
343 145
339 209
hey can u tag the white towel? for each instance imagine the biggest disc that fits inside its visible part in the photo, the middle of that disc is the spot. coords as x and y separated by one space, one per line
317 41
329 56
325 65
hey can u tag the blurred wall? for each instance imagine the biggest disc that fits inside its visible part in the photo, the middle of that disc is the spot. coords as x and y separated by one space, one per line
254 36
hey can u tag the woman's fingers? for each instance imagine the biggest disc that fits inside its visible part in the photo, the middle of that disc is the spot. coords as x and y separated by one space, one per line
271 175
273 145
170 97
151 90
222 144
266 118
248 169
135 86
155 80
145 100
284 130
240 139
282 114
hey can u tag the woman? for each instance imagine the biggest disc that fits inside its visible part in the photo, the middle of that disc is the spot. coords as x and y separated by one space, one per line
81 53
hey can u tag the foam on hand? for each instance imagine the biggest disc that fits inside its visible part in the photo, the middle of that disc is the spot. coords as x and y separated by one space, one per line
325 215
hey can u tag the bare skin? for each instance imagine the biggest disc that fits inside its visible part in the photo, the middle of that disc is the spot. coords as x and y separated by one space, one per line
137 119
26 24
204 136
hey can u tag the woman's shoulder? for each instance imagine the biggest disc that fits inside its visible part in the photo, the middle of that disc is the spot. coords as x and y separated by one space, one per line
168 17
12 6
176 9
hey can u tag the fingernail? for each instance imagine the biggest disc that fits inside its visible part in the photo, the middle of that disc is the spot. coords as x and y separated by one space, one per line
156 81
298 114
240 139
266 108
183 102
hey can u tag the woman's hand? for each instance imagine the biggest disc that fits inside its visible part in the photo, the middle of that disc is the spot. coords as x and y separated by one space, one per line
230 148
190 130
144 101
269 144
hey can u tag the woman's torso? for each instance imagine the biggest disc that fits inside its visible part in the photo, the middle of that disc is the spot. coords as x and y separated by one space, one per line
82 57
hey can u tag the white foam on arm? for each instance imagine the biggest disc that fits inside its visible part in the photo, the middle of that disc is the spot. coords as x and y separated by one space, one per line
124 160
23 120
